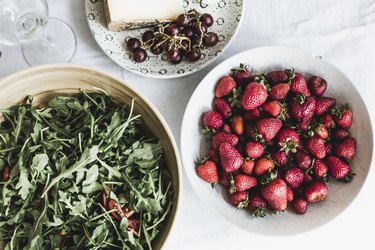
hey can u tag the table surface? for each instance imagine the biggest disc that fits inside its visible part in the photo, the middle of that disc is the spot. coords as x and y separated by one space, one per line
342 31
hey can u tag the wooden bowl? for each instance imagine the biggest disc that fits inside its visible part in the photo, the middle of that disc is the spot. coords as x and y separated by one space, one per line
45 82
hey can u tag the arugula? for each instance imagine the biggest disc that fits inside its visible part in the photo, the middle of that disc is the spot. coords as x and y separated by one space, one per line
63 159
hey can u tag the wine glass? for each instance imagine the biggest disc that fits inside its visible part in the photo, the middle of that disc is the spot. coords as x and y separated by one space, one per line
43 39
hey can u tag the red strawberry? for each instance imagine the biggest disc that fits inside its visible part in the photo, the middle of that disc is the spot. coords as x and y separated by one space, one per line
316 191
304 125
317 85
212 120
302 159
300 205
278 76
254 96
287 140
263 166
346 148
274 109
298 85
208 172
223 107
276 194
294 177
280 91
327 120
340 133
337 167
329 148
253 114
290 195
257 205
243 182
268 127
248 166
321 131
254 149
213 155
237 124
225 86
242 75
320 168
280 158
224 178
324 105
315 145
231 160
238 199
221 137
226 129
302 108
343 117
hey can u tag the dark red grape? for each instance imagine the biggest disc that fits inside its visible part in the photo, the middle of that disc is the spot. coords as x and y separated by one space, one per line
188 32
210 39
185 45
183 20
139 55
147 36
173 54
200 28
172 30
156 50
207 19
133 44
193 55
176 60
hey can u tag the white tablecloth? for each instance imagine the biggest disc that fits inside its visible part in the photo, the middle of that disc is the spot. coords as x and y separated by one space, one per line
342 31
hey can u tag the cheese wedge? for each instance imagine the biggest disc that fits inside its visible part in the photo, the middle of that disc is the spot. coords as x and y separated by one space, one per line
133 14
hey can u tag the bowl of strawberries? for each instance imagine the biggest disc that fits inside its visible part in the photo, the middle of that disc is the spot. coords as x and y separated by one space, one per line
277 141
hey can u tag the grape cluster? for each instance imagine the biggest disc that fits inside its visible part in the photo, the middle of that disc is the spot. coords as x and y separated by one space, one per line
182 38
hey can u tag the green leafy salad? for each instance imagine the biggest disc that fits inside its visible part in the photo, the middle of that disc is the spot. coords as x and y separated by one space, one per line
80 173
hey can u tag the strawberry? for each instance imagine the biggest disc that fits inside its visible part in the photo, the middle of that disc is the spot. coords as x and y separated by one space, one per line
279 92
274 109
278 76
243 182
263 166
237 124
242 75
226 129
300 205
238 199
329 148
254 96
340 133
320 168
280 158
208 172
268 127
248 166
224 178
302 108
316 191
302 159
254 149
327 120
276 194
225 86
253 114
221 137
257 205
305 125
222 106
290 194
298 85
212 120
294 177
337 167
321 131
346 148
231 160
324 104
287 140
343 116
213 155
315 145
317 85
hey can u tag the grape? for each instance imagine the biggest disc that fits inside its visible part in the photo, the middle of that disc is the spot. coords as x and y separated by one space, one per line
207 19
200 28
173 54
193 55
147 36
185 44
133 44
183 20
188 32
172 30
176 60
156 50
139 55
210 39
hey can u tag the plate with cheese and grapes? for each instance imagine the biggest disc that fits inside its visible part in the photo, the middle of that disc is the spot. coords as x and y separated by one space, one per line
164 38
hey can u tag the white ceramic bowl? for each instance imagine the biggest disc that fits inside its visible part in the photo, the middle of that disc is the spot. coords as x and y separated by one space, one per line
339 196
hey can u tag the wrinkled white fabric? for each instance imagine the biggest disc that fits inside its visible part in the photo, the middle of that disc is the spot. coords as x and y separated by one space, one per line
341 31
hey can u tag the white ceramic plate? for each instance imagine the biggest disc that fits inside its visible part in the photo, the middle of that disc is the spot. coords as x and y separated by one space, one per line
226 13
339 196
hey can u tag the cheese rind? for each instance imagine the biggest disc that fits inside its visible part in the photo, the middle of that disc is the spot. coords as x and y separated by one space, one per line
131 14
